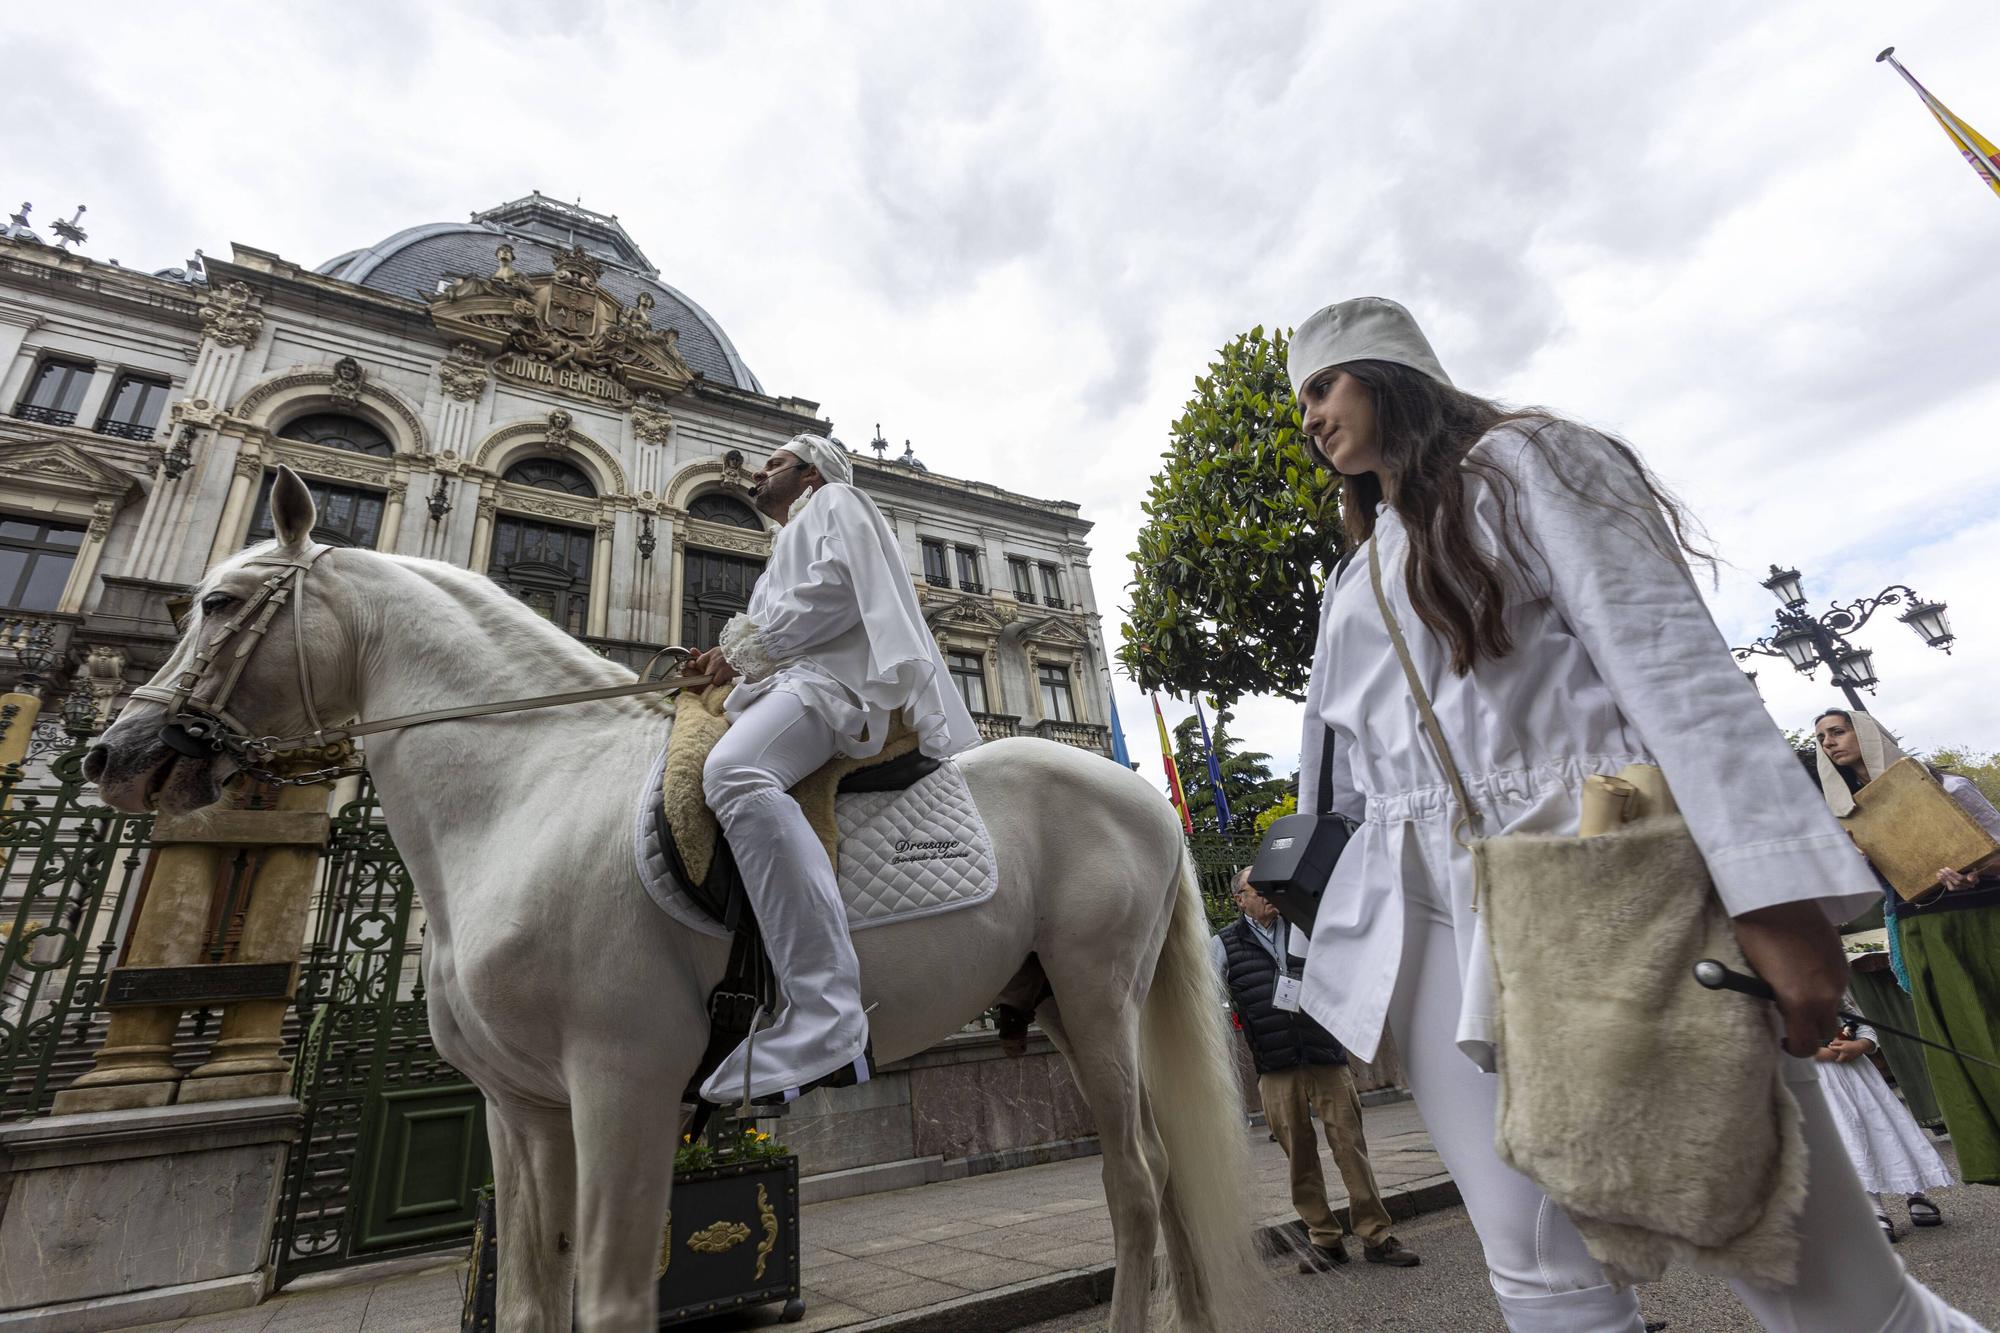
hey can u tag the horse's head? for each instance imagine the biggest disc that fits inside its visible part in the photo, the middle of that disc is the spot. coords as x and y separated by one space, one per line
267 646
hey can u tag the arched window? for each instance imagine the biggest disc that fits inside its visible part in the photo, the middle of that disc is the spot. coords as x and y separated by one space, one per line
336 430
714 587
716 507
546 565
550 474
347 515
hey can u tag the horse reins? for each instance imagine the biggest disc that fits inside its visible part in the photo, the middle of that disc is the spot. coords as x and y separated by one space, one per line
205 727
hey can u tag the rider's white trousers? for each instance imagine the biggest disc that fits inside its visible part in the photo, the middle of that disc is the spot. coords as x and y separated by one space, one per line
777 741
1545 1281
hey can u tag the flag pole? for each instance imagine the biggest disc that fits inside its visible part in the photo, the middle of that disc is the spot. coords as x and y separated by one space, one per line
1988 170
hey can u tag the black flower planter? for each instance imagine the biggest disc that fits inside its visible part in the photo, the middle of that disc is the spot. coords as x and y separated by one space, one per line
732 1241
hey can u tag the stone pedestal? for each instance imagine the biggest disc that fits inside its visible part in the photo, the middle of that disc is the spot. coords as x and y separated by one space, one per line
245 1061
118 1218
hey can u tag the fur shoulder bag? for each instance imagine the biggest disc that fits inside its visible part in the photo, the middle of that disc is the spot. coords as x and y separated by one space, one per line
1650 1110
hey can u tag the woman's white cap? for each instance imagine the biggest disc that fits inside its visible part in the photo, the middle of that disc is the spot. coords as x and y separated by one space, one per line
1368 328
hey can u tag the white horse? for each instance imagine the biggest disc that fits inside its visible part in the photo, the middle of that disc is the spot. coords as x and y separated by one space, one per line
578 1006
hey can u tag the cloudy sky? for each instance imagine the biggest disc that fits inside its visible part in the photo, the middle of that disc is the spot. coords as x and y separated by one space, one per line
1015 233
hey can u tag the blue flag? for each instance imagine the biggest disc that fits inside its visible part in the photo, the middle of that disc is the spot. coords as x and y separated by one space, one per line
1214 771
1118 750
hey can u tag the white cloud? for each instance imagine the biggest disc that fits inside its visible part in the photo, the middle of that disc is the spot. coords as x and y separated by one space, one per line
1014 233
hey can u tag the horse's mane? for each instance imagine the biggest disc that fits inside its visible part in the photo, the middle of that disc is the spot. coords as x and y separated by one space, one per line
515 630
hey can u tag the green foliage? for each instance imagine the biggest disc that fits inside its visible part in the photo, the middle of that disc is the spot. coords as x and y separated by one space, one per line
1241 525
1288 806
1983 770
1246 775
750 1145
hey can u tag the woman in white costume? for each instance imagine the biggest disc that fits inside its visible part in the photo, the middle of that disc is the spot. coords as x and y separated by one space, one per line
1537 573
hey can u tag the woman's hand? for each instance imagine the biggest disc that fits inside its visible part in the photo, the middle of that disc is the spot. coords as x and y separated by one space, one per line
1797 950
1951 879
715 666
1846 1050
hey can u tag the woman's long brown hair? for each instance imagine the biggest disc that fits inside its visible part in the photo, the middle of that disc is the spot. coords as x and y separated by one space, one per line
1427 429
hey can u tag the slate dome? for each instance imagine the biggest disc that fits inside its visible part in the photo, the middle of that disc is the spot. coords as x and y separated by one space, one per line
414 261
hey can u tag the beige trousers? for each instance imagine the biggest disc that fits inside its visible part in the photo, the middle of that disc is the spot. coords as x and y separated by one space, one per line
1290 1097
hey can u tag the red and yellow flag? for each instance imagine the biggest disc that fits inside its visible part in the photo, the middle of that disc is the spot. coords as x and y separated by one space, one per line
1174 792
1978 149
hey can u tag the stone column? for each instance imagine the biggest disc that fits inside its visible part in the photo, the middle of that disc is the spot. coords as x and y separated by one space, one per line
236 516
482 534
15 326
392 513
77 590
600 579
244 1061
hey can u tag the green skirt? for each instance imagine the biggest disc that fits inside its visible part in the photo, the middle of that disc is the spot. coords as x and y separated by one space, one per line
1954 964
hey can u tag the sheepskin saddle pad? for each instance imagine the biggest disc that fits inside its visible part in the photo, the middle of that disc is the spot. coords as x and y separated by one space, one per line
900 828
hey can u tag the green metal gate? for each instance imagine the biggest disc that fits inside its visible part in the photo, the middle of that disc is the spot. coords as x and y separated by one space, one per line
69 868
393 1150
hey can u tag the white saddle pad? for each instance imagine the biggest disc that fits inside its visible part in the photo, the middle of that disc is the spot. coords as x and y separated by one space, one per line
903 854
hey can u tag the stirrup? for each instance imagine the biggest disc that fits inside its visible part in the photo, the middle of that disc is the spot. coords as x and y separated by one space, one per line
856 1071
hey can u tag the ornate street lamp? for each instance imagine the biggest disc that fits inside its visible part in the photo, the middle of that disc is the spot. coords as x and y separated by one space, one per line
1784 585
648 543
79 710
177 460
35 650
1855 668
1931 623
1807 641
439 500
1797 645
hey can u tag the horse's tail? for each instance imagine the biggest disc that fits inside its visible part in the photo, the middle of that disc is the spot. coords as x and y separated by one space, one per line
1190 1071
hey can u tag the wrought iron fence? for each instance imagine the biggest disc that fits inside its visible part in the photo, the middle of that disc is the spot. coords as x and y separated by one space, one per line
1217 858
69 869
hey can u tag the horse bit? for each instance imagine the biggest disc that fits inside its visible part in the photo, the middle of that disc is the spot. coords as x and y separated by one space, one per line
200 728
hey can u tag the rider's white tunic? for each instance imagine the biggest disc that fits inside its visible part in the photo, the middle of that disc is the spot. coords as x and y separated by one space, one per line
834 620
1616 660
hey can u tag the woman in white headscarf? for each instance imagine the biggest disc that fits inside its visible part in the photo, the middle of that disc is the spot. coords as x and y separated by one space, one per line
1945 947
1537 573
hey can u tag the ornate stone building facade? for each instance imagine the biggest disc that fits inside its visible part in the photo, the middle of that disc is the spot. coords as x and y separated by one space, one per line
520 394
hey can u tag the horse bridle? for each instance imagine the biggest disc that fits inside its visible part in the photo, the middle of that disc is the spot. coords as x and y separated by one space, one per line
201 728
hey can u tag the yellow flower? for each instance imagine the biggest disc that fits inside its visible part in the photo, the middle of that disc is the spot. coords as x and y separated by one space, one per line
687 1138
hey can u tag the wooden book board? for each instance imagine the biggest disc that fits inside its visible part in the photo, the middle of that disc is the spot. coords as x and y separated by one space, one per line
1909 826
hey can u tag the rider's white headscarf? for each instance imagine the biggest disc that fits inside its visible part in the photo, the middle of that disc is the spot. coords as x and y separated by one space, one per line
825 454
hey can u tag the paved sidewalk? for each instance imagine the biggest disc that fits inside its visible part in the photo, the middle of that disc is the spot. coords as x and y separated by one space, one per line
989 1251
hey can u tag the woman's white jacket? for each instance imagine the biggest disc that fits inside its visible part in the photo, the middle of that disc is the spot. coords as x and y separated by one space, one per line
1615 660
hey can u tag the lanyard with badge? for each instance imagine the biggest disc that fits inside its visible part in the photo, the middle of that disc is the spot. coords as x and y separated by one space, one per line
1285 995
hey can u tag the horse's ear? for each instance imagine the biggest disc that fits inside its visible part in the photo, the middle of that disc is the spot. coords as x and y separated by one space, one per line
292 510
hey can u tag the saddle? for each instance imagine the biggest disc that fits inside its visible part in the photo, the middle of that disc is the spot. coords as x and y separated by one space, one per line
700 858
692 839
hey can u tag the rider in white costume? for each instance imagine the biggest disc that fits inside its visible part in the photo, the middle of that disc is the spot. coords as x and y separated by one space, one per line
832 646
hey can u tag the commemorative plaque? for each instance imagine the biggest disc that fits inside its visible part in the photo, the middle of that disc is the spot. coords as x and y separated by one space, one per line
201 983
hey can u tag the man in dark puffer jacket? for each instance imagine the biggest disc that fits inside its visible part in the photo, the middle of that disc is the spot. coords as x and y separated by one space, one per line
1300 1068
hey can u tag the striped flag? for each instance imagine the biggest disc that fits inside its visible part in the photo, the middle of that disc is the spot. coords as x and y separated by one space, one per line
1214 771
1174 792
1978 150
